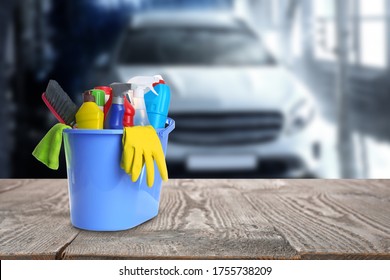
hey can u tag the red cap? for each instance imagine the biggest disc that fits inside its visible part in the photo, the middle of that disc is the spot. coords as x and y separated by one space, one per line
159 82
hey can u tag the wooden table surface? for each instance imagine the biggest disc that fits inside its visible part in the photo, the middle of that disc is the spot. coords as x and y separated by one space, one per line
208 219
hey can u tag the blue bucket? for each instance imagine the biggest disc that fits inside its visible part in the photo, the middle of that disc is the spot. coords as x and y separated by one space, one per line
102 196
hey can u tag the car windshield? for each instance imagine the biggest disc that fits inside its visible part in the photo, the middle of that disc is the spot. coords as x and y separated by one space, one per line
182 46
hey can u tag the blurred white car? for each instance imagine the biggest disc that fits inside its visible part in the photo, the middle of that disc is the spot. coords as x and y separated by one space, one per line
237 113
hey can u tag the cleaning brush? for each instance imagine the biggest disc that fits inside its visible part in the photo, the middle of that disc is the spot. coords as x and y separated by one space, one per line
60 104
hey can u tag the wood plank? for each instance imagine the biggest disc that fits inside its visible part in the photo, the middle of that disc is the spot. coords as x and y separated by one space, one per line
198 219
326 218
34 219
10 184
378 187
202 219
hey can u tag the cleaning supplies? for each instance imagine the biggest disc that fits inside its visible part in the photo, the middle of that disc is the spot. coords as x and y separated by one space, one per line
157 106
100 98
59 103
101 194
114 118
142 145
48 149
142 83
108 98
89 116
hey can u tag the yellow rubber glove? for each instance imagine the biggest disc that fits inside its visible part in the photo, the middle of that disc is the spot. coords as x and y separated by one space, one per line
142 145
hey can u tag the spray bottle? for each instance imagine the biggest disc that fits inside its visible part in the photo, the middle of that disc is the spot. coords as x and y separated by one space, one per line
108 98
89 116
114 118
99 97
128 116
142 83
157 106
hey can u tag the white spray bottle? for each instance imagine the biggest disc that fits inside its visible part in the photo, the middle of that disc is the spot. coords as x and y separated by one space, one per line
143 85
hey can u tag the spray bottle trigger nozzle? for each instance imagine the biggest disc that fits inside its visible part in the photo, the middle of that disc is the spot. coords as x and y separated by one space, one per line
152 89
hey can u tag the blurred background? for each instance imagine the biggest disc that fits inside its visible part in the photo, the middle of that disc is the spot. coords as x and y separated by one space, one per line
260 88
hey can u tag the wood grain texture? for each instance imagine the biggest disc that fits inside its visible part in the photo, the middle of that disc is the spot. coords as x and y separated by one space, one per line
34 219
10 184
209 219
198 219
327 219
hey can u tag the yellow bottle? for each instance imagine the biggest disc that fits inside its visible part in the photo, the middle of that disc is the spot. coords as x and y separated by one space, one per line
89 116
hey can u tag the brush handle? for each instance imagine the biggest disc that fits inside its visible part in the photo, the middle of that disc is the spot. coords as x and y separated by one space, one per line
51 108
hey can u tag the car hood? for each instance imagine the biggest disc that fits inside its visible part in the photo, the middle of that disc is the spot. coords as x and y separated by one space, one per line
213 89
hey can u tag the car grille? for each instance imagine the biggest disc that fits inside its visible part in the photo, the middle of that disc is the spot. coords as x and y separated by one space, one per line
206 129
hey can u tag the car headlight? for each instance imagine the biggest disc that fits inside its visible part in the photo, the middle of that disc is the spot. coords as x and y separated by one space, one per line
299 116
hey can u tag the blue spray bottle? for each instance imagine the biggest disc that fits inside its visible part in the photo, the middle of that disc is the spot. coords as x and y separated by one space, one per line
142 84
157 106
114 118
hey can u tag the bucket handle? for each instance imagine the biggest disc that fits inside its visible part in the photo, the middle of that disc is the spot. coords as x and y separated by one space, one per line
165 131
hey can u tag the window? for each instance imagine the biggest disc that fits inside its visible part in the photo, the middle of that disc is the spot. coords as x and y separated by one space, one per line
275 12
372 31
367 32
296 40
324 30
